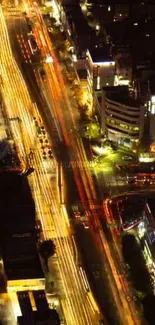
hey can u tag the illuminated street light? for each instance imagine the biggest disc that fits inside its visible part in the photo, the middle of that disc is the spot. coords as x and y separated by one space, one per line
49 59
97 27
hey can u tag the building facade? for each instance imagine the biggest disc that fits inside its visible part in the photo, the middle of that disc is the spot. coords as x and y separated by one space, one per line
122 117
102 68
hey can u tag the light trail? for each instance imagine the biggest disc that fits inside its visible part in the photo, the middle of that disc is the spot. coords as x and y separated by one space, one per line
18 103
63 109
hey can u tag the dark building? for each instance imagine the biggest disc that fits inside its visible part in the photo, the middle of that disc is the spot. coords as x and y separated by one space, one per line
115 10
40 301
18 232
25 303
17 205
35 310
81 34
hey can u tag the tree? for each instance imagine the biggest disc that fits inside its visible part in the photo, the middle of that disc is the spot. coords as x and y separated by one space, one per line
47 249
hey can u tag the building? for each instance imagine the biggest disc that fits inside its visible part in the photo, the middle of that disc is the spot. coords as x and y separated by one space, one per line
120 10
122 117
34 309
101 66
131 217
22 264
123 61
18 235
78 32
17 206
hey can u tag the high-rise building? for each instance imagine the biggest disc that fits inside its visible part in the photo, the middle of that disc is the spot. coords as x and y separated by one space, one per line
122 117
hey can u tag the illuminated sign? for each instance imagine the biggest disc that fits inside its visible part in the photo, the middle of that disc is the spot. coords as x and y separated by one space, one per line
152 147
106 64
95 71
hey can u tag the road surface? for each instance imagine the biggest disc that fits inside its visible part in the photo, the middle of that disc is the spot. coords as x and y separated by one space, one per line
75 303
61 106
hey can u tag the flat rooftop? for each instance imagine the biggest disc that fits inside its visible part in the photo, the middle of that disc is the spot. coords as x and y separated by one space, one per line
16 204
101 53
120 94
23 268
144 36
17 247
132 210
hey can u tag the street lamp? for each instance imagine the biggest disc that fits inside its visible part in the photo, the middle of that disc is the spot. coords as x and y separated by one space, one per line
97 27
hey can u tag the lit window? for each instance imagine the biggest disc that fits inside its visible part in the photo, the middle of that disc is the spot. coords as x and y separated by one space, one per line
98 83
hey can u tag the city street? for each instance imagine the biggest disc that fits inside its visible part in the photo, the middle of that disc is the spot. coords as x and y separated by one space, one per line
18 103
52 104
61 107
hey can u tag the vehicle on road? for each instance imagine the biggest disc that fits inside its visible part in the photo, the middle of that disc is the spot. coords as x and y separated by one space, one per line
132 180
127 158
42 74
33 45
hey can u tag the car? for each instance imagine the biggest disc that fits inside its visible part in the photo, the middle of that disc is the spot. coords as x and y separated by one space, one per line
50 29
127 158
132 181
44 155
43 77
85 224
147 182
77 214
32 45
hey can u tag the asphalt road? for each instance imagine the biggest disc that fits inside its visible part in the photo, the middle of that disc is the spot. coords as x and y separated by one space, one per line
62 108
97 274
75 303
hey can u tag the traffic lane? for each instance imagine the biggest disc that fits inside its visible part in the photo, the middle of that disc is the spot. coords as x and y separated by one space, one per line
97 274
18 33
19 27
25 59
71 193
114 287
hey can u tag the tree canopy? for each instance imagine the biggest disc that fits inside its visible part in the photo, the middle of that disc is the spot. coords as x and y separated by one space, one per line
47 249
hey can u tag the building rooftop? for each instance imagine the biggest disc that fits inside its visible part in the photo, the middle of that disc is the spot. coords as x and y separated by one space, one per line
16 204
82 34
19 247
100 2
101 54
120 94
130 215
23 268
75 17
42 314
